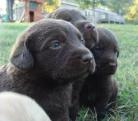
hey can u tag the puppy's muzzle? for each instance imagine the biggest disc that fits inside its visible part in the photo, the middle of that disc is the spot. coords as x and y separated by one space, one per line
90 35
89 60
86 59
89 27
110 67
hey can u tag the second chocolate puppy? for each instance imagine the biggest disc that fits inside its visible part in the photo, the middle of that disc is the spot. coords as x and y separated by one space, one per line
100 90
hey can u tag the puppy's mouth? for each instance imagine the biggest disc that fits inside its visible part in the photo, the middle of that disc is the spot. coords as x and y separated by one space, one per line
80 75
74 71
66 77
106 69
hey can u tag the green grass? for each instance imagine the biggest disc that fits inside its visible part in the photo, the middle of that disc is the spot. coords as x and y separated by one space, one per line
8 34
126 76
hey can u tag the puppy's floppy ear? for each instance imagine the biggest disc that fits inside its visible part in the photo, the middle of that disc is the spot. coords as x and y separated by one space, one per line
21 56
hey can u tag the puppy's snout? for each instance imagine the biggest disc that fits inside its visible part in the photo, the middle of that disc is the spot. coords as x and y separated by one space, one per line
112 64
82 55
83 59
89 27
87 58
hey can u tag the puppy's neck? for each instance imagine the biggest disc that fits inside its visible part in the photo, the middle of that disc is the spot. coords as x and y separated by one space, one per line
12 70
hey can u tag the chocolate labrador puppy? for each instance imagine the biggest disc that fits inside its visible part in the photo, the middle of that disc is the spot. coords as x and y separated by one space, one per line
45 60
100 90
75 17
90 35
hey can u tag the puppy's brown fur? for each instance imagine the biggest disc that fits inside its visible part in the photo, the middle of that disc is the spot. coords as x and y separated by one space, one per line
46 59
100 90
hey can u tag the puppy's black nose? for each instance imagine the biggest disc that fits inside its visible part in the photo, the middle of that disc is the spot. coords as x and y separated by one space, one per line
112 64
89 27
86 58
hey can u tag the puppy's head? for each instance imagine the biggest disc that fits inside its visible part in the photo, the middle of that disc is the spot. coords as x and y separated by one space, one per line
89 33
54 49
106 52
67 14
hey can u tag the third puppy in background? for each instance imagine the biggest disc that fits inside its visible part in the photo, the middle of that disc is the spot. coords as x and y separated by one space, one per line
100 90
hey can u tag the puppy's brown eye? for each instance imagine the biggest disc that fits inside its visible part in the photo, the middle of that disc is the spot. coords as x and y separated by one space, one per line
55 44
117 53
98 48
67 18
83 41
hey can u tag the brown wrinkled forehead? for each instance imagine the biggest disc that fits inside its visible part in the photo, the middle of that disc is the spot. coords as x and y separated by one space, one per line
106 36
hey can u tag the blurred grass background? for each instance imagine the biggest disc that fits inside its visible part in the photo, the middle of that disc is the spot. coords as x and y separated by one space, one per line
126 76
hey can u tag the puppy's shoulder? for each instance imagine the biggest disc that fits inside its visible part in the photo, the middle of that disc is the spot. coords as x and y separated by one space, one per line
5 78
3 71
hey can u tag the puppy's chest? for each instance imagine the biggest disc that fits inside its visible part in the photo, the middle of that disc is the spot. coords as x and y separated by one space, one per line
94 88
59 97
